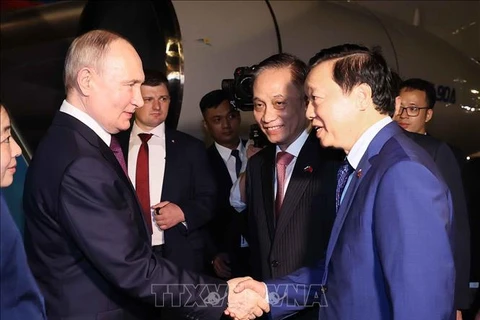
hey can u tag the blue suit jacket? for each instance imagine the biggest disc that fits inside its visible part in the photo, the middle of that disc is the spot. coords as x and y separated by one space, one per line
389 254
19 295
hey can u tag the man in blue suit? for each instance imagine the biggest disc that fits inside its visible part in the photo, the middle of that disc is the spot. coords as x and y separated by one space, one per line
390 252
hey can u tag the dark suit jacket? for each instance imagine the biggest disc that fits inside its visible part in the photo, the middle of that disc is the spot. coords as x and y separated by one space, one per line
86 238
228 225
188 182
301 236
447 163
20 297
389 254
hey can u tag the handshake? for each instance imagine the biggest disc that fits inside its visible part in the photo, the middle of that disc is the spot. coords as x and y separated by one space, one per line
246 299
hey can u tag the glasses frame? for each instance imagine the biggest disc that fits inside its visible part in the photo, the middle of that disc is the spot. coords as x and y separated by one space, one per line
409 111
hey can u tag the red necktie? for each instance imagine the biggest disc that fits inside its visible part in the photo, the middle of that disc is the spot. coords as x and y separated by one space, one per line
283 160
142 183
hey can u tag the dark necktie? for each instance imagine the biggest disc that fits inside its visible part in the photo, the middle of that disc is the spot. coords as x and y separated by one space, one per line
117 151
238 162
142 182
343 173
283 160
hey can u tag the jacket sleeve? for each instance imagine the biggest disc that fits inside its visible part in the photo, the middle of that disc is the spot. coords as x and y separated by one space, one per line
412 229
199 207
95 212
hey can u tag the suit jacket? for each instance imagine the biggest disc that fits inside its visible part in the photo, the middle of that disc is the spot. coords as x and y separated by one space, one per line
301 235
20 297
228 225
389 254
448 165
188 182
86 238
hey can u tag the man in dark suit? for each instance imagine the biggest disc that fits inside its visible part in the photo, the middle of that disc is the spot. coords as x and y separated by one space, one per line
413 110
390 251
20 297
88 244
180 197
227 157
290 204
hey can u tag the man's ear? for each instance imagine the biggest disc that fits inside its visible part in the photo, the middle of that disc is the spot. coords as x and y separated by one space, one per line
429 115
85 81
398 102
363 95
205 126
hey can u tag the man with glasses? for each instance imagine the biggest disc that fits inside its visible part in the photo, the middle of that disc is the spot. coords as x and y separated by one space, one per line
416 108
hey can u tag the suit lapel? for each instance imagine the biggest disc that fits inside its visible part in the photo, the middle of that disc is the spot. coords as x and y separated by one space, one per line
172 149
267 181
357 177
219 164
306 166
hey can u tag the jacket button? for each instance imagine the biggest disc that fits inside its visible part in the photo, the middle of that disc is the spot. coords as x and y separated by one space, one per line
275 263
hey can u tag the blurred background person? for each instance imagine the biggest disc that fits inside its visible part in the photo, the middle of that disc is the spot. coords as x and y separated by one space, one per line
227 156
20 297
414 108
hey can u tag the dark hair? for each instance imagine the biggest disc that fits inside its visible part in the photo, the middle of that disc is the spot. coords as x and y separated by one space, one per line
422 85
212 100
284 60
357 64
6 109
154 78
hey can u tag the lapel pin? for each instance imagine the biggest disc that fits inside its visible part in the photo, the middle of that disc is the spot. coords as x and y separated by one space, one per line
359 173
173 141
308 169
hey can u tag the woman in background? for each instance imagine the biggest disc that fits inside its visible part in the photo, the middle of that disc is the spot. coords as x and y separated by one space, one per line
20 297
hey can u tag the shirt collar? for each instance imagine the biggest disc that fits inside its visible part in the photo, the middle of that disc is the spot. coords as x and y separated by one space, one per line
158 131
87 120
225 152
360 147
295 147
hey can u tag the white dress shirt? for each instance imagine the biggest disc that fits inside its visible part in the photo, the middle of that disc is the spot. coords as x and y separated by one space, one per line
86 120
156 169
230 161
294 149
361 146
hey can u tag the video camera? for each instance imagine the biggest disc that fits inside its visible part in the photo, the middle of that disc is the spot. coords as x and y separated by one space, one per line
239 91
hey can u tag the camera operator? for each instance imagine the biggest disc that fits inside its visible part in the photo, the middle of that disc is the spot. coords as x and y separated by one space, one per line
288 189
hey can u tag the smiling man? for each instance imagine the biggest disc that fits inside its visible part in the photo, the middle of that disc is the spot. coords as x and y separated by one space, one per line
390 251
290 185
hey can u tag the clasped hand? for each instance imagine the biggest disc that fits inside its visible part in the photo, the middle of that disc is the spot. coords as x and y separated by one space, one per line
246 299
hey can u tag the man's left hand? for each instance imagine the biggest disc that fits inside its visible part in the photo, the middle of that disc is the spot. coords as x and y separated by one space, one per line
168 214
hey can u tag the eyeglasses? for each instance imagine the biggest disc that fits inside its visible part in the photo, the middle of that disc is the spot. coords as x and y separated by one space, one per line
411 111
